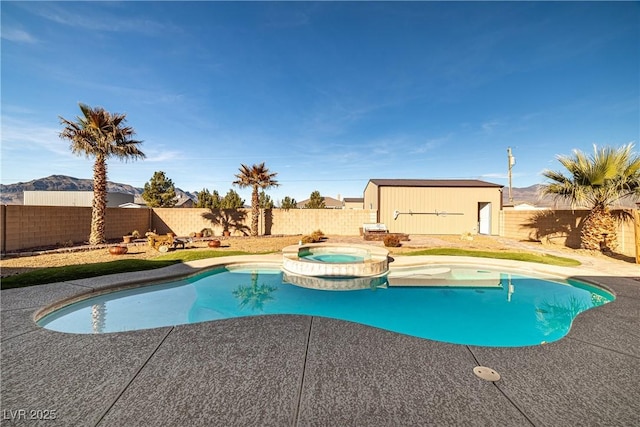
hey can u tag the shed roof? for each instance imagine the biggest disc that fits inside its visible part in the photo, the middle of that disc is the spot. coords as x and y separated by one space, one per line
353 200
433 183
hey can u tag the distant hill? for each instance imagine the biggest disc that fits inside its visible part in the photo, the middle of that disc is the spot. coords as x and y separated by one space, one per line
525 195
13 194
531 195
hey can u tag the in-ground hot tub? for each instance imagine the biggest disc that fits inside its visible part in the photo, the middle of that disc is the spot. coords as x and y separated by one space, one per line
335 260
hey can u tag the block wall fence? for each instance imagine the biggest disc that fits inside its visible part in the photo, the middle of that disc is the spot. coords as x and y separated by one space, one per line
23 227
339 222
562 227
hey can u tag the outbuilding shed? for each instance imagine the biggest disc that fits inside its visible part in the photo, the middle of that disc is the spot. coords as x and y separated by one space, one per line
73 198
353 203
429 206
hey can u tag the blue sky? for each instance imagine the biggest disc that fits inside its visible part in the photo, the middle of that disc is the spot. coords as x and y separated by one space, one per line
328 94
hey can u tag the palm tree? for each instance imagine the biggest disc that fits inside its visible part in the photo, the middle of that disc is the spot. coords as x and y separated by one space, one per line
257 177
597 182
100 134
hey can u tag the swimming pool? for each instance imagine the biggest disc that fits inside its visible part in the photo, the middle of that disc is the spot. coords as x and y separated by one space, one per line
516 311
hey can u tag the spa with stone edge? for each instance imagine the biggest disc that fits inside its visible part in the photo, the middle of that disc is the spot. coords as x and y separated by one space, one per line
321 260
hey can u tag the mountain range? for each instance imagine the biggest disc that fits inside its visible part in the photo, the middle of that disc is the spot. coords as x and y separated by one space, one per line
12 194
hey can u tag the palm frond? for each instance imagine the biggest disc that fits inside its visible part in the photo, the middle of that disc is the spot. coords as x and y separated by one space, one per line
598 180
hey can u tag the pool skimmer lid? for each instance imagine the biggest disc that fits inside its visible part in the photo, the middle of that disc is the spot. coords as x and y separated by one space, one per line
486 374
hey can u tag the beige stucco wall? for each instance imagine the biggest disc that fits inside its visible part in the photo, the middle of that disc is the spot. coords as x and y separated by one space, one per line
341 222
460 204
559 227
276 221
24 227
34 226
181 221
37 226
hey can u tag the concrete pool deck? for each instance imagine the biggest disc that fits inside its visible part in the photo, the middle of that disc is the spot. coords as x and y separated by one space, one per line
299 370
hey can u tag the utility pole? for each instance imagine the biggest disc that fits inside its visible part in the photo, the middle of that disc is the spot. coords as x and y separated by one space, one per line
512 162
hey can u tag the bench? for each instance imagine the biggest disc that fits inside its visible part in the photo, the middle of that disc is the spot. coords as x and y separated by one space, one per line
374 228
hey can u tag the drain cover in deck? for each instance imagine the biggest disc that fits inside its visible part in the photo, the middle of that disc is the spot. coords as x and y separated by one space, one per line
486 374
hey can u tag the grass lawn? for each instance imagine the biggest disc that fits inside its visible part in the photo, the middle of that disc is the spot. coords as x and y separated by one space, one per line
516 256
83 271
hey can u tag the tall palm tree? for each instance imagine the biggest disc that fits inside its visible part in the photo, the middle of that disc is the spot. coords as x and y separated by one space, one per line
598 182
257 177
100 134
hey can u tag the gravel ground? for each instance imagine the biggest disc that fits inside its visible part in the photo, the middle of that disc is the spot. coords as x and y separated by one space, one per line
140 250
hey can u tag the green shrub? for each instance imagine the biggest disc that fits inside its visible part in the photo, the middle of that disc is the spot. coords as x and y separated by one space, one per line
307 239
392 241
206 232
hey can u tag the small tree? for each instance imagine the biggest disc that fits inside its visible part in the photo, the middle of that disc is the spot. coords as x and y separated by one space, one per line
159 192
216 200
288 203
265 201
208 200
316 201
231 200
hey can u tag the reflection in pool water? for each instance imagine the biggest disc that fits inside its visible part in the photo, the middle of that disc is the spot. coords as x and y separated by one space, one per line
519 311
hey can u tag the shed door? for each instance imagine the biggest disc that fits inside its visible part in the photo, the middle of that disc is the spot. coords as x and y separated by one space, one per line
484 217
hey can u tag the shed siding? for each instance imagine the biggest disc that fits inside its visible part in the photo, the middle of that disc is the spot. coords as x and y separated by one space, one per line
353 205
371 196
72 198
58 198
425 202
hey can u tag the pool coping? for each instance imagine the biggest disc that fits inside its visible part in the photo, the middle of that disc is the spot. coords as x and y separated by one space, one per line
321 377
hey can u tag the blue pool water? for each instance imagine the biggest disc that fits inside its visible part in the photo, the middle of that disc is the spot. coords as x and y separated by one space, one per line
333 258
521 311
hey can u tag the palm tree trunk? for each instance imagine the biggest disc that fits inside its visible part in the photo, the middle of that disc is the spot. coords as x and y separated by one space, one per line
599 230
255 211
99 201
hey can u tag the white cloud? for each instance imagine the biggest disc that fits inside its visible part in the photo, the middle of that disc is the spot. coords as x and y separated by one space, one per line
431 144
94 18
501 175
488 127
154 156
20 134
15 35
